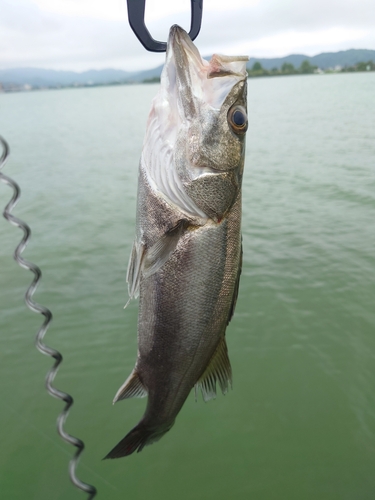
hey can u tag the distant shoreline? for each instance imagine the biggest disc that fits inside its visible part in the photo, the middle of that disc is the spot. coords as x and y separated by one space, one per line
257 71
19 79
306 68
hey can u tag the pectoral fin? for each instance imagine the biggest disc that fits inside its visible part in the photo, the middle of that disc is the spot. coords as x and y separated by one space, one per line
133 275
131 388
147 261
157 255
218 370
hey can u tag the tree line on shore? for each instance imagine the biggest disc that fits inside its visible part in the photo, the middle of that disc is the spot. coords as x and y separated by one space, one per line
306 69
288 69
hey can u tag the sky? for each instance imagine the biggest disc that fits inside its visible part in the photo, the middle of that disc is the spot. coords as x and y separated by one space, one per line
94 34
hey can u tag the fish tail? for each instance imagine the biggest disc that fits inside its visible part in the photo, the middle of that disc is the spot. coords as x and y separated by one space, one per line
139 437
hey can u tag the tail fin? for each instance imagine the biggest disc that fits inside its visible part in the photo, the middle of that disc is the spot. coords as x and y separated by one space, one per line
136 440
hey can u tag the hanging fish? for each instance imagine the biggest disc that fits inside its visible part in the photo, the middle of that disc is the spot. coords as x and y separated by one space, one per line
186 260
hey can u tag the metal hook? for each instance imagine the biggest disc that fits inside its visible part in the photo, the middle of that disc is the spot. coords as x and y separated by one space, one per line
136 14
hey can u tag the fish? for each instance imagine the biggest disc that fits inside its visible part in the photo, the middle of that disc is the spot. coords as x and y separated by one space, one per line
186 259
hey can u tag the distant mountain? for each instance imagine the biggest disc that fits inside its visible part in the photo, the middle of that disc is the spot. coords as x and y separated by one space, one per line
34 77
147 74
48 77
323 61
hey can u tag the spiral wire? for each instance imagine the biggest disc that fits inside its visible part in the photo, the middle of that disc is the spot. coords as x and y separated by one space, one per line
43 348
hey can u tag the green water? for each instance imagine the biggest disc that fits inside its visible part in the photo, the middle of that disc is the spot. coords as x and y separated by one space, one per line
300 421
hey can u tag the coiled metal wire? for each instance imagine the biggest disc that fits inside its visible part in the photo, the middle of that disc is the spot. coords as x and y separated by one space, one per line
41 346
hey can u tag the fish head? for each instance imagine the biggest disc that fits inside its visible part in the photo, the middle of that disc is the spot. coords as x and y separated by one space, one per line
201 115
209 102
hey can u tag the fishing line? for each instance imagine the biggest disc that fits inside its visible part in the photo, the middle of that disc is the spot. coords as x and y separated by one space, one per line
38 308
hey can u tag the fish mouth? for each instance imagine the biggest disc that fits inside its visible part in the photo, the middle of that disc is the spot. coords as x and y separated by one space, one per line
178 33
180 42
182 72
194 80
182 47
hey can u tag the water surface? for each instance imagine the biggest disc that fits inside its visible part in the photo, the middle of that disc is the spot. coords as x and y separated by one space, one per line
300 421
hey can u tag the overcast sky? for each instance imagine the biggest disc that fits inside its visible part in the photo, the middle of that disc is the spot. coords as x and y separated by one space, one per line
85 34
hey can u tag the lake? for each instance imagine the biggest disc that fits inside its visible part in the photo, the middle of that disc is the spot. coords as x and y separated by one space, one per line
300 420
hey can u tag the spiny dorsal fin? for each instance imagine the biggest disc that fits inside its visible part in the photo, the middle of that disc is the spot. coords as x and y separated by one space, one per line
218 370
131 388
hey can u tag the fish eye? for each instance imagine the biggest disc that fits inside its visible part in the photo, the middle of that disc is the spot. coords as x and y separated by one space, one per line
237 119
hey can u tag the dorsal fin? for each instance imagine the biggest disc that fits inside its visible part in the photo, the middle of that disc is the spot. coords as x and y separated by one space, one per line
218 370
131 388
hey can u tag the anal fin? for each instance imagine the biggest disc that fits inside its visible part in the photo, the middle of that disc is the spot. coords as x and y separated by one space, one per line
131 388
218 370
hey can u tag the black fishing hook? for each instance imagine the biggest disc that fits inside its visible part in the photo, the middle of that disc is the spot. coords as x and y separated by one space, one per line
136 14
38 308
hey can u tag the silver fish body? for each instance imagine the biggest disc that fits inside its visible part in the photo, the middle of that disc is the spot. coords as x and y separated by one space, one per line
186 259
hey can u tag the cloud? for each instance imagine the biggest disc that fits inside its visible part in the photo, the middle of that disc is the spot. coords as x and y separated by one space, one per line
83 34
24 18
271 17
29 36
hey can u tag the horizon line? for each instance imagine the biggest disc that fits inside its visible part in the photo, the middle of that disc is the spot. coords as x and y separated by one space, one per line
155 67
